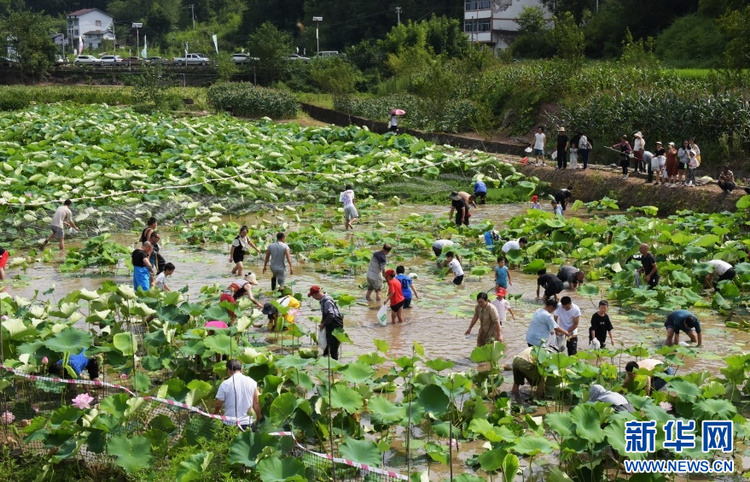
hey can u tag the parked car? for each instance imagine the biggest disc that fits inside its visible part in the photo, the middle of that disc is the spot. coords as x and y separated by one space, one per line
131 61
86 60
299 57
155 60
243 58
192 59
110 60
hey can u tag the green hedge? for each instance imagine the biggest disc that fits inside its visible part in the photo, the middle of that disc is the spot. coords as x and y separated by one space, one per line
244 99
423 114
16 97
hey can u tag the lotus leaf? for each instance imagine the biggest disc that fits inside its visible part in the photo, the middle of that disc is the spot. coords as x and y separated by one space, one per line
132 454
345 398
69 340
362 451
275 469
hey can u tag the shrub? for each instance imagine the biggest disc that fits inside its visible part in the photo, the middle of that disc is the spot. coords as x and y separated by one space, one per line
246 100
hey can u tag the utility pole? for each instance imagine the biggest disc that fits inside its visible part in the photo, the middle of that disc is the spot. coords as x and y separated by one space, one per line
137 26
317 21
398 13
192 9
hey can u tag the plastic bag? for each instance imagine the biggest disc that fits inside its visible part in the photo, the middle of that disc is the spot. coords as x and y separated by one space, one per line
322 340
383 315
554 155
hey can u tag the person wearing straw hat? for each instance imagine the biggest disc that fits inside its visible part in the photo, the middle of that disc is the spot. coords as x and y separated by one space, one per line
237 395
239 288
460 207
562 148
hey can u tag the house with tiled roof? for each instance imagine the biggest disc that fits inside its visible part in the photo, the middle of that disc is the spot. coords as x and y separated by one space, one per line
92 25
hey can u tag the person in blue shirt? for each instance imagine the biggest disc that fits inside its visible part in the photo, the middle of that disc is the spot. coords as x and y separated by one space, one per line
502 275
407 286
78 363
685 321
480 191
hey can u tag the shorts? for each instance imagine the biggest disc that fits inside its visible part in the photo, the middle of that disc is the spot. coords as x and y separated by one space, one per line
407 303
374 285
397 306
280 276
458 280
539 152
553 289
239 255
523 371
350 212
680 166
58 232
437 251
728 274
481 195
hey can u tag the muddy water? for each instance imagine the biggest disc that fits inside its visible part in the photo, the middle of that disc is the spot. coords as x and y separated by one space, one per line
428 322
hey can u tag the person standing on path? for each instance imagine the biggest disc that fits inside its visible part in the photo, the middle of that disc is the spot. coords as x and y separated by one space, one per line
331 319
393 123
395 297
350 212
489 321
142 268
63 218
240 246
682 320
656 163
460 207
639 148
540 139
237 395
279 255
648 266
683 157
584 147
624 147
562 147
376 272
568 316
673 165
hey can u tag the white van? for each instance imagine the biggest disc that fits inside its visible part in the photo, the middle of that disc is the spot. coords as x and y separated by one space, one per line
328 53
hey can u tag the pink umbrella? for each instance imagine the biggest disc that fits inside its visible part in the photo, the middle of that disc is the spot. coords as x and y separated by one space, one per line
216 324
398 112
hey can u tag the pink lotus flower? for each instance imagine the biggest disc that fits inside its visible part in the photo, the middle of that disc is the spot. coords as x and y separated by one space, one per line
666 406
83 401
124 376
7 418
3 318
454 444
35 408
45 360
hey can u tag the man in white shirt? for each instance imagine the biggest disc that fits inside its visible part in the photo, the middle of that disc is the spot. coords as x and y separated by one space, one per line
568 315
237 395
539 140
350 212
63 218
722 269
513 245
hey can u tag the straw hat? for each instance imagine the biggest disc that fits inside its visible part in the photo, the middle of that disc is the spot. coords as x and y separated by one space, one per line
455 196
250 278
638 134
561 129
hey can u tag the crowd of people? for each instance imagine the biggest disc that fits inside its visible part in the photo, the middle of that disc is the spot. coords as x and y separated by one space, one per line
553 327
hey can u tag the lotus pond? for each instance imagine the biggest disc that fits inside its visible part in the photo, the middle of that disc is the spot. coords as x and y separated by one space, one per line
417 398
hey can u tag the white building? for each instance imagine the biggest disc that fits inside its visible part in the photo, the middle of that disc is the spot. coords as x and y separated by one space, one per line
493 22
92 25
